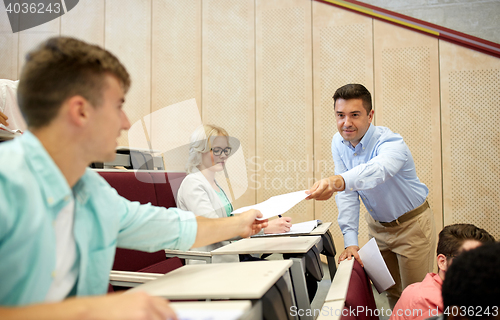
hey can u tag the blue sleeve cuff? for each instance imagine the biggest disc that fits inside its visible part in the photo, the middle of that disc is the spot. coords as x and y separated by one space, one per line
349 178
350 239
188 227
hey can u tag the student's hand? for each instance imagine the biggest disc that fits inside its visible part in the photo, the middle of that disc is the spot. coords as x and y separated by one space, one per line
115 306
323 189
137 305
349 252
249 223
3 119
279 225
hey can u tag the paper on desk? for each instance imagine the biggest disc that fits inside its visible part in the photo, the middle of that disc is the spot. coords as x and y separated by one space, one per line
209 314
302 227
375 266
276 205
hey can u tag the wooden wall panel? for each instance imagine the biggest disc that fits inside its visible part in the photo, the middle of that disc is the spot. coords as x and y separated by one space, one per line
9 46
407 99
342 54
176 74
229 85
470 84
128 36
176 71
284 100
31 38
85 22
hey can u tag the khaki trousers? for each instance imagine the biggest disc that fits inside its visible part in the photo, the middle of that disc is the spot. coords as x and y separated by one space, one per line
409 250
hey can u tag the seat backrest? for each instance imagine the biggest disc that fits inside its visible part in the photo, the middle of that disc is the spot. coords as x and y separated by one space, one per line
175 180
133 260
164 195
142 186
360 294
132 185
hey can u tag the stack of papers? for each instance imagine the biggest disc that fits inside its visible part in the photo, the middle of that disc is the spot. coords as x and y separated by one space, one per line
276 205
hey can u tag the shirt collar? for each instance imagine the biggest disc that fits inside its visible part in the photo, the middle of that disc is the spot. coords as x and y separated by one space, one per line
50 178
365 140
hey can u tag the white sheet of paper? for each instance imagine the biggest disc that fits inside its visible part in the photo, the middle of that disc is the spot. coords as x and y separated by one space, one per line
301 227
276 205
208 314
375 266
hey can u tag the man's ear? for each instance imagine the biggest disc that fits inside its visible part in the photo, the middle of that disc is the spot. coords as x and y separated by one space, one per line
442 262
370 114
78 110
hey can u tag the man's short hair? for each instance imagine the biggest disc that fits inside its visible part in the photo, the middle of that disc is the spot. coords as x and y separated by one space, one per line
452 237
61 68
473 283
354 91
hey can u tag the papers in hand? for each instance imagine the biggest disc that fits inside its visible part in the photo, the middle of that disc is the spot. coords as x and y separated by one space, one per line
375 266
276 205
6 133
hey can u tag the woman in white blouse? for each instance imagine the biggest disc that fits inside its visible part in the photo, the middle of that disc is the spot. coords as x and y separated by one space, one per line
201 194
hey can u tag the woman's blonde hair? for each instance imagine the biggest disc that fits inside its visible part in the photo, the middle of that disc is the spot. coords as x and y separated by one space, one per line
198 144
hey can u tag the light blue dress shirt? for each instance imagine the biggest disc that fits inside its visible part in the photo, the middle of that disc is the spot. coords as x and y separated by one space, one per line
33 191
380 170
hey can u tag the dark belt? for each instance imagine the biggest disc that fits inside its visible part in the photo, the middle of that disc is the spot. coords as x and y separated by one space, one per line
407 216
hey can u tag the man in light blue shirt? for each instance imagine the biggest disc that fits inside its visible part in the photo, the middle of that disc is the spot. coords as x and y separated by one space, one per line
375 164
60 222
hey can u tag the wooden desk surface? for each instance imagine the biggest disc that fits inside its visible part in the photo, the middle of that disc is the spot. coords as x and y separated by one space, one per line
248 280
331 310
269 245
211 309
340 284
321 229
212 305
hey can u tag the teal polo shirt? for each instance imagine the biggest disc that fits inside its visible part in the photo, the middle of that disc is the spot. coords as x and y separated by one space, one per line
33 191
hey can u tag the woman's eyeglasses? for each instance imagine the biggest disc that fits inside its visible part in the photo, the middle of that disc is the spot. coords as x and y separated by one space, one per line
218 151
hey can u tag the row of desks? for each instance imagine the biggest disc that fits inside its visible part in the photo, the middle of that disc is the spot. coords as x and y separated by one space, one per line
248 280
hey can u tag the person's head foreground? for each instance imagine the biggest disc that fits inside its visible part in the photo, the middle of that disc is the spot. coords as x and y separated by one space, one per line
353 111
472 286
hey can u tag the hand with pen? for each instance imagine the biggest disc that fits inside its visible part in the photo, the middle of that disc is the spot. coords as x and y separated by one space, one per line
279 225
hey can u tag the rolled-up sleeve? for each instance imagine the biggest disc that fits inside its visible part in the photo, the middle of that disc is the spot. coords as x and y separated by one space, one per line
149 228
347 204
392 156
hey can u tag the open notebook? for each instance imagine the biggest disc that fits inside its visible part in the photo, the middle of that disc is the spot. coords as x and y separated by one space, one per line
297 228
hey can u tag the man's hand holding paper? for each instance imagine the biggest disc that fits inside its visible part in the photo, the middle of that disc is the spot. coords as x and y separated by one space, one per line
276 205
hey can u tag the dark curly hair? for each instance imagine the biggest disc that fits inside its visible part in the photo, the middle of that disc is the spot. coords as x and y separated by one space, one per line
473 282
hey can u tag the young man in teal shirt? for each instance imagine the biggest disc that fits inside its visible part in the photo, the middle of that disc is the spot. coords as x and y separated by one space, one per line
60 222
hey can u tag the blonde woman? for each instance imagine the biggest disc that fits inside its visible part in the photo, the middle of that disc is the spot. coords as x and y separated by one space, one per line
201 194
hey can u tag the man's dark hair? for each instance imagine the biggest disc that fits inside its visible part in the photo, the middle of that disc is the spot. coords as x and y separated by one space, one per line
59 69
473 282
354 91
452 237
